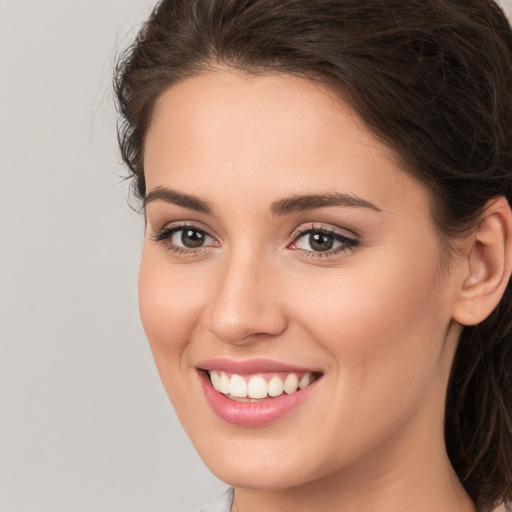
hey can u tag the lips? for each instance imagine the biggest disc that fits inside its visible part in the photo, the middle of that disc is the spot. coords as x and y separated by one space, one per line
255 392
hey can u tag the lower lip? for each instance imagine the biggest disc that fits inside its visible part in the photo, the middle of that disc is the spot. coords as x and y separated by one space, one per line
253 414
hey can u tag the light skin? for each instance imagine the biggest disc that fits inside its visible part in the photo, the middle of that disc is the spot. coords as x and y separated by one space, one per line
378 315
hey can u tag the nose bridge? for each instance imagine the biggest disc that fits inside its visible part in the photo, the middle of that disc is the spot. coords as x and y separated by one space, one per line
245 302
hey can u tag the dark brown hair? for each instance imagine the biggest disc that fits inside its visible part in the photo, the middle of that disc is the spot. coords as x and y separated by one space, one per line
433 80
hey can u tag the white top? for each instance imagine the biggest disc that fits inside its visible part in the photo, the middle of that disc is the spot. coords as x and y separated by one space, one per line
222 503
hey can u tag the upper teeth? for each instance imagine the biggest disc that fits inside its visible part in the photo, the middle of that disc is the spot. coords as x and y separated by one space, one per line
257 386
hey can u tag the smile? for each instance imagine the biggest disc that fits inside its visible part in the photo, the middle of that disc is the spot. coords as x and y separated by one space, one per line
255 393
259 386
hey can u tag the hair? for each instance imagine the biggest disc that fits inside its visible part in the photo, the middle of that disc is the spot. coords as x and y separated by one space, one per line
432 79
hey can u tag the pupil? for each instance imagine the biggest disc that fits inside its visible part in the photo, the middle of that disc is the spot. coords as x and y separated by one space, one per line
320 242
192 238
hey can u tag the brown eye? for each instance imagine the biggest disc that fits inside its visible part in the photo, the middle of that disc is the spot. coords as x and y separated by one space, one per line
321 241
192 238
183 238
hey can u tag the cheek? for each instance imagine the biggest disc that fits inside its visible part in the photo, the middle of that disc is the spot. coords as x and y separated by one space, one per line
384 325
169 307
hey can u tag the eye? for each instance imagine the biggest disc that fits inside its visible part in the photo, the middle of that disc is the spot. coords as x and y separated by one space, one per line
189 237
322 240
184 238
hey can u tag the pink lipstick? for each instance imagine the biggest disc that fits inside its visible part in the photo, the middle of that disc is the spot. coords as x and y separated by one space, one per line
255 392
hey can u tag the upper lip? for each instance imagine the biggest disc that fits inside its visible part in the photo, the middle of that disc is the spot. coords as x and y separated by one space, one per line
251 366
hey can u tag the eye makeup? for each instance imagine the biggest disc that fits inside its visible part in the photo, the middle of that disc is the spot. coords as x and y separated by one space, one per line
184 238
311 240
323 241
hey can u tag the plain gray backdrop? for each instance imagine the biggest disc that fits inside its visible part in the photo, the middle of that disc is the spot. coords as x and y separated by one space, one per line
84 422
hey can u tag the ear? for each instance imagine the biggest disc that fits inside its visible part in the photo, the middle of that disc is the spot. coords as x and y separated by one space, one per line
487 265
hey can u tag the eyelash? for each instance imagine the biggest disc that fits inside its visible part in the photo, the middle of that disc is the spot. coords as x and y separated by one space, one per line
348 243
164 236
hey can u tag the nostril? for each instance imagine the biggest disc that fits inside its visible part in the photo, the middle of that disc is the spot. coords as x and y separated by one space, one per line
245 327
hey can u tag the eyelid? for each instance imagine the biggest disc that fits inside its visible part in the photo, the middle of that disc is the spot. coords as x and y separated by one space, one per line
327 228
349 238
182 224
163 235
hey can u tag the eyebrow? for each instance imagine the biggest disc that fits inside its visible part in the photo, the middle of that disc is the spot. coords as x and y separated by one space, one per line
298 203
172 196
280 207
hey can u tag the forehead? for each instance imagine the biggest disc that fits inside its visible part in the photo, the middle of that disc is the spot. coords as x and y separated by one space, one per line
267 135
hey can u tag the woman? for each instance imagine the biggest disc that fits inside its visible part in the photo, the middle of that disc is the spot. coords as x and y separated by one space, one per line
325 275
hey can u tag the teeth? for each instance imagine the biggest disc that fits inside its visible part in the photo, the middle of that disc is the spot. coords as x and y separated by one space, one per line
291 383
224 384
275 386
305 381
215 378
238 386
256 387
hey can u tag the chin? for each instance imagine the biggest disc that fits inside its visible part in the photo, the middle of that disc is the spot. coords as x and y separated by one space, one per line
253 474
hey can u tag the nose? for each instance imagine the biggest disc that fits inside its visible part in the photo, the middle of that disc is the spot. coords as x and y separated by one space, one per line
246 303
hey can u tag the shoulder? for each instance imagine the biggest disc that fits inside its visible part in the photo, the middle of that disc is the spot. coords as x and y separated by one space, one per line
221 504
504 508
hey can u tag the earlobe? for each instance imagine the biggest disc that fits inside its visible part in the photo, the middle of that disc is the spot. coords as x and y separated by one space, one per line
488 263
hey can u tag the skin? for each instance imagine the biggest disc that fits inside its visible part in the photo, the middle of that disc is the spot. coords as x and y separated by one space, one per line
376 319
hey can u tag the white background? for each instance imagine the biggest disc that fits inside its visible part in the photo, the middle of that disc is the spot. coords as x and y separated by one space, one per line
84 422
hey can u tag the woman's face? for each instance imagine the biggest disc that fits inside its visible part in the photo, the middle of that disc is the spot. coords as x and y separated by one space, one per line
286 249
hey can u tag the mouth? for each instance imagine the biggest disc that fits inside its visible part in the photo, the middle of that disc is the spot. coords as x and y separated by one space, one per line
255 393
260 386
